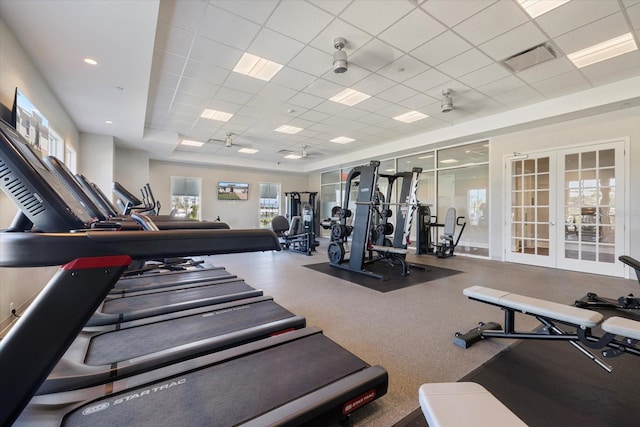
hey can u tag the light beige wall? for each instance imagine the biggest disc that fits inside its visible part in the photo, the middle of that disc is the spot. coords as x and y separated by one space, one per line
238 214
131 169
18 286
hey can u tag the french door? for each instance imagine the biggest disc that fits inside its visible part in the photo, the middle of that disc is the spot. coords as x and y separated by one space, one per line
562 208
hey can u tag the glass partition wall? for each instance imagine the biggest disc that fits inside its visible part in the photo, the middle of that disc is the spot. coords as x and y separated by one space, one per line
451 177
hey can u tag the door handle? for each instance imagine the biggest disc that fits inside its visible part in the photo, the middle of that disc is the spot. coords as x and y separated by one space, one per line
552 223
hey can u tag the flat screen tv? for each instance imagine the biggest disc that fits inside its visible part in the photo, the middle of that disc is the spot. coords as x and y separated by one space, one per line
233 190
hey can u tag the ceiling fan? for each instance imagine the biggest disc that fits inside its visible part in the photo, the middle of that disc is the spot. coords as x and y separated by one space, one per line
302 154
228 141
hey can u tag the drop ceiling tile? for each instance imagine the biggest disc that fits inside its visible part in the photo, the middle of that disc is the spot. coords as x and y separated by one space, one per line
167 80
615 76
353 113
332 6
314 116
546 70
593 33
293 79
465 63
575 14
634 15
207 73
485 75
197 87
173 39
168 62
275 47
256 11
514 41
501 86
445 46
403 68
397 93
272 95
245 83
214 53
375 55
417 102
228 29
251 112
498 18
187 109
232 95
321 127
299 20
562 84
402 34
373 84
442 10
305 100
485 107
375 16
427 80
312 61
323 89
330 107
186 15
373 104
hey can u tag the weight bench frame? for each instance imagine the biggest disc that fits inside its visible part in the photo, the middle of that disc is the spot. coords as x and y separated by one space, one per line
628 302
551 314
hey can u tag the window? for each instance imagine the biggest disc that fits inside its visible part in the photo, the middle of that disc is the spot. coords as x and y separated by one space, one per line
56 145
185 197
70 158
269 203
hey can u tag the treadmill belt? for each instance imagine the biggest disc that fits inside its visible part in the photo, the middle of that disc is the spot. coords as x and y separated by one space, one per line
173 278
229 393
141 302
125 344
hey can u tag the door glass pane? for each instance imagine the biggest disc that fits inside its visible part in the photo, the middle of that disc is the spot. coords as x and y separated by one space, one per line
606 158
571 162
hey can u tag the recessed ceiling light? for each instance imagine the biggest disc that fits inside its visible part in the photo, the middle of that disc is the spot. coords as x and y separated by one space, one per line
108 122
216 115
349 97
536 8
192 143
248 150
410 117
603 51
448 161
342 140
90 61
293 156
257 67
288 129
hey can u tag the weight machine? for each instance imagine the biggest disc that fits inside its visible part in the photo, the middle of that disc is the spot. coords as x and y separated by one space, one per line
446 243
299 235
372 229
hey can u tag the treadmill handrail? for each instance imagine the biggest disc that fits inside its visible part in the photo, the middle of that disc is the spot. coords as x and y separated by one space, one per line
51 249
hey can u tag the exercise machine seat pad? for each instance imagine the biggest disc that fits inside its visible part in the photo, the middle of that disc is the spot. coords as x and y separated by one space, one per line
563 313
464 404
623 327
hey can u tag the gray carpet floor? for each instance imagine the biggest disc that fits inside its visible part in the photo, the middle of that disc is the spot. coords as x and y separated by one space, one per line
409 331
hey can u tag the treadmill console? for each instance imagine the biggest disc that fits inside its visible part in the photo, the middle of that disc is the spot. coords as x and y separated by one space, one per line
41 197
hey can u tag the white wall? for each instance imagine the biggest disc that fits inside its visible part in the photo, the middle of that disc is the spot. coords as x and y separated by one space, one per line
96 160
131 169
17 70
238 214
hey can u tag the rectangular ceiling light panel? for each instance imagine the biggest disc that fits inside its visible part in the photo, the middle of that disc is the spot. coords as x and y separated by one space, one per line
342 140
192 143
288 129
248 150
536 8
293 156
602 51
349 97
410 117
257 67
220 116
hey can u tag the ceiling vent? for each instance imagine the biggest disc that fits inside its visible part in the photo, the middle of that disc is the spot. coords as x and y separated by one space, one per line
530 57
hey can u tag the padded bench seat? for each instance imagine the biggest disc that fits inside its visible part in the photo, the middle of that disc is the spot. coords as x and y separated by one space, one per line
464 404
563 313
623 327
389 249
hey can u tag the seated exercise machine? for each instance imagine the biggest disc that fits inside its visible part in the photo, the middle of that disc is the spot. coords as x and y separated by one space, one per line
628 302
129 203
370 230
296 236
285 379
620 335
446 243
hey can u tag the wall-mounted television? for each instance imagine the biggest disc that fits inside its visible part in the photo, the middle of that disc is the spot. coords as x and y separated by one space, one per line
30 123
233 190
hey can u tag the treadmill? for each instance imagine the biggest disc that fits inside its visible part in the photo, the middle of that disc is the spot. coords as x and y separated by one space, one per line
285 379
